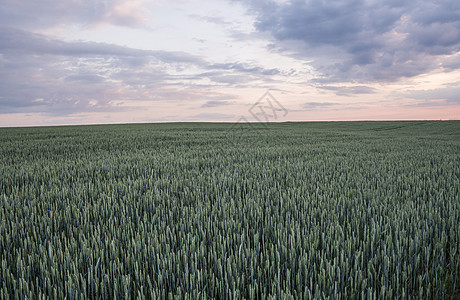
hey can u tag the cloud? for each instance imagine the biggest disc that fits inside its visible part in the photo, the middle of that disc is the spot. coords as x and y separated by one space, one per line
449 95
241 67
19 42
349 90
319 105
362 40
76 76
237 73
336 106
85 78
29 14
216 103
39 74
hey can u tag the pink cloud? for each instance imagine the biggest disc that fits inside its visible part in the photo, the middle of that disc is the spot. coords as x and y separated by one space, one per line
127 13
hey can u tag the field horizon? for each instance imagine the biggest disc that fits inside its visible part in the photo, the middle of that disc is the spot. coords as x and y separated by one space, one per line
232 122
356 209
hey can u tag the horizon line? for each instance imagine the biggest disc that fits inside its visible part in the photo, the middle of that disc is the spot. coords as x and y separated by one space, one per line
229 122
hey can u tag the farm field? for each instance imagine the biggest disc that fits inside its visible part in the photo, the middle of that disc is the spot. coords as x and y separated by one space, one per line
341 210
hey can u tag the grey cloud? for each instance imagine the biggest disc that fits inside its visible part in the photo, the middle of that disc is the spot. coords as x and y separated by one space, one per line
240 67
128 60
310 106
86 78
233 79
227 78
42 74
41 84
319 105
22 42
363 41
349 90
216 103
434 97
30 14
236 74
431 12
39 74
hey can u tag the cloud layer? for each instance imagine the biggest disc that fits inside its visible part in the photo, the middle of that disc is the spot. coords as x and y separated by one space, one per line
29 14
159 55
48 75
363 40
51 76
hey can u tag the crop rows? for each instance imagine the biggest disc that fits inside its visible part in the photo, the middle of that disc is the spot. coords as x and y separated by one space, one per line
190 211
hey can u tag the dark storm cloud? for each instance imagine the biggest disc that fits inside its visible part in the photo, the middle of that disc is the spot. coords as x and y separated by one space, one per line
358 40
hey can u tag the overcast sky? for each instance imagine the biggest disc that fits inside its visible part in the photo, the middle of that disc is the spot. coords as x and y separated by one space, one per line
117 61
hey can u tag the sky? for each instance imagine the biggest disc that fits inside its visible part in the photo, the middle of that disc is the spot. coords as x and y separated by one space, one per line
117 61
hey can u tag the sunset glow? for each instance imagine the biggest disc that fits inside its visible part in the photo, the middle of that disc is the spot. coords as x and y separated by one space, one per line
90 62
